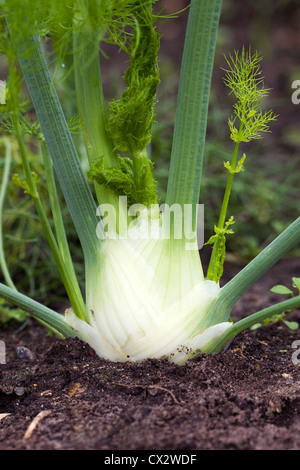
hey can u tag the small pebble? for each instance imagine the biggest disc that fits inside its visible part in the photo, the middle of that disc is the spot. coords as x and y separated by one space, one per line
19 391
46 393
25 353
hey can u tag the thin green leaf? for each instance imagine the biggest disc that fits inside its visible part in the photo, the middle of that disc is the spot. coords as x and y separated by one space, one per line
296 282
281 290
292 325
215 346
48 316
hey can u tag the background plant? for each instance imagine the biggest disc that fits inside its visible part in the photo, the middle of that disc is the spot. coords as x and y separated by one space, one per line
271 181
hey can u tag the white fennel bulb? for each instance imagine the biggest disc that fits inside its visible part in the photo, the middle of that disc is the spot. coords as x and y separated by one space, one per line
146 299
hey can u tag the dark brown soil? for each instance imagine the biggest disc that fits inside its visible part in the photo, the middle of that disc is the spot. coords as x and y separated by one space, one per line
247 397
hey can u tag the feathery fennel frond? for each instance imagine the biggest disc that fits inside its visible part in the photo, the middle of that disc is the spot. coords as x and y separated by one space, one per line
245 81
132 116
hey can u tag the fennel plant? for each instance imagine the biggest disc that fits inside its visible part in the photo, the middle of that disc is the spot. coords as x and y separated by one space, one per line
146 295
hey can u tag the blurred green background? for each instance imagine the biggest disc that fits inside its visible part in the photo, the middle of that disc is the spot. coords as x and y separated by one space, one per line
265 197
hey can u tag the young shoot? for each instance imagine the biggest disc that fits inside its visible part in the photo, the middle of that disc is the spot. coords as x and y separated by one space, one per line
249 122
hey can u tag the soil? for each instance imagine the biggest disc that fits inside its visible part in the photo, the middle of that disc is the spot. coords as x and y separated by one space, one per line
58 395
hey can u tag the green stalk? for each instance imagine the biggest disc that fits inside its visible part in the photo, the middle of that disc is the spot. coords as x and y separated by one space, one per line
5 177
143 176
92 111
213 269
234 289
192 107
215 346
66 162
89 94
90 99
45 314
67 277
225 203
62 241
